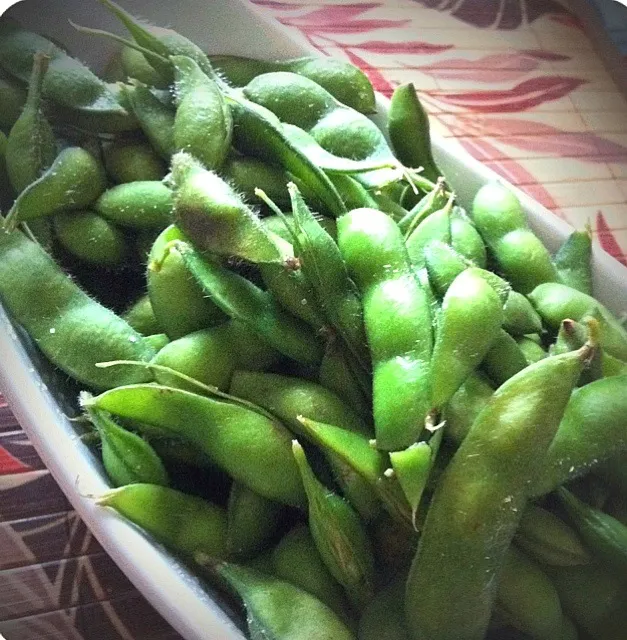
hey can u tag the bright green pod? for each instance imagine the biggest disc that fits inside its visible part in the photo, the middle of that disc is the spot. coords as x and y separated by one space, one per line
91 238
184 524
241 300
504 359
135 66
528 597
339 535
278 609
354 194
141 316
296 560
520 318
155 118
12 100
203 125
573 261
69 327
557 302
397 318
31 146
465 238
532 351
126 457
479 499
472 314
549 539
140 205
285 227
408 127
249 446
435 200
215 218
252 521
133 162
248 174
178 302
75 180
382 619
521 256
436 227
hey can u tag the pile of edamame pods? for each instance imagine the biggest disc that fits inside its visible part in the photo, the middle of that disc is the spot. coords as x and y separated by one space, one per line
360 409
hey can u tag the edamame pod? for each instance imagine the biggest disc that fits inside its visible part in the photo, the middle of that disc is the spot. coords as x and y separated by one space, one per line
134 65
573 261
253 449
532 351
465 405
12 100
381 619
133 162
504 359
141 317
248 174
437 226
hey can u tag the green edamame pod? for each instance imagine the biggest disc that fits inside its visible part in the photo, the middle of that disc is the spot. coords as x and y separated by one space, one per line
435 200
203 124
532 351
339 536
127 458
570 337
91 238
354 194
523 258
296 560
140 205
241 300
472 314
12 100
344 81
72 329
31 146
557 302
437 226
248 174
478 501
594 599
214 217
465 405
382 619
253 449
465 239
504 358
185 524
549 539
284 226
252 521
134 65
74 181
605 536
529 599
81 96
178 302
520 318
133 162
573 261
599 410
141 317
408 127
158 341
397 318
257 132
155 118
277 609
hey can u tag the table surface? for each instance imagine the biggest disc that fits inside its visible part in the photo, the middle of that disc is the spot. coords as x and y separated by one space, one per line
522 89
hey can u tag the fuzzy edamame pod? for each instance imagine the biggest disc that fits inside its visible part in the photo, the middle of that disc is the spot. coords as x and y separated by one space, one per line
465 238
31 145
72 329
524 260
241 300
203 125
397 318
549 539
478 501
141 317
344 81
12 100
532 350
573 261
134 65
556 302
248 174
185 524
81 96
408 127
215 218
127 458
469 323
91 238
178 302
155 118
278 609
382 619
74 181
339 535
249 446
252 521
140 205
132 162
504 358
436 227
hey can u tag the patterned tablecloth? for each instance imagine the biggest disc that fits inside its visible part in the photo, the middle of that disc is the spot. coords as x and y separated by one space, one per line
519 85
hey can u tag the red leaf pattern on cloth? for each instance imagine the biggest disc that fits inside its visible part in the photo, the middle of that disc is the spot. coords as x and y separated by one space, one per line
378 80
607 239
548 56
9 464
408 47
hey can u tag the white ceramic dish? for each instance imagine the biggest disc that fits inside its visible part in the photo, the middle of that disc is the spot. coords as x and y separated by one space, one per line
36 395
